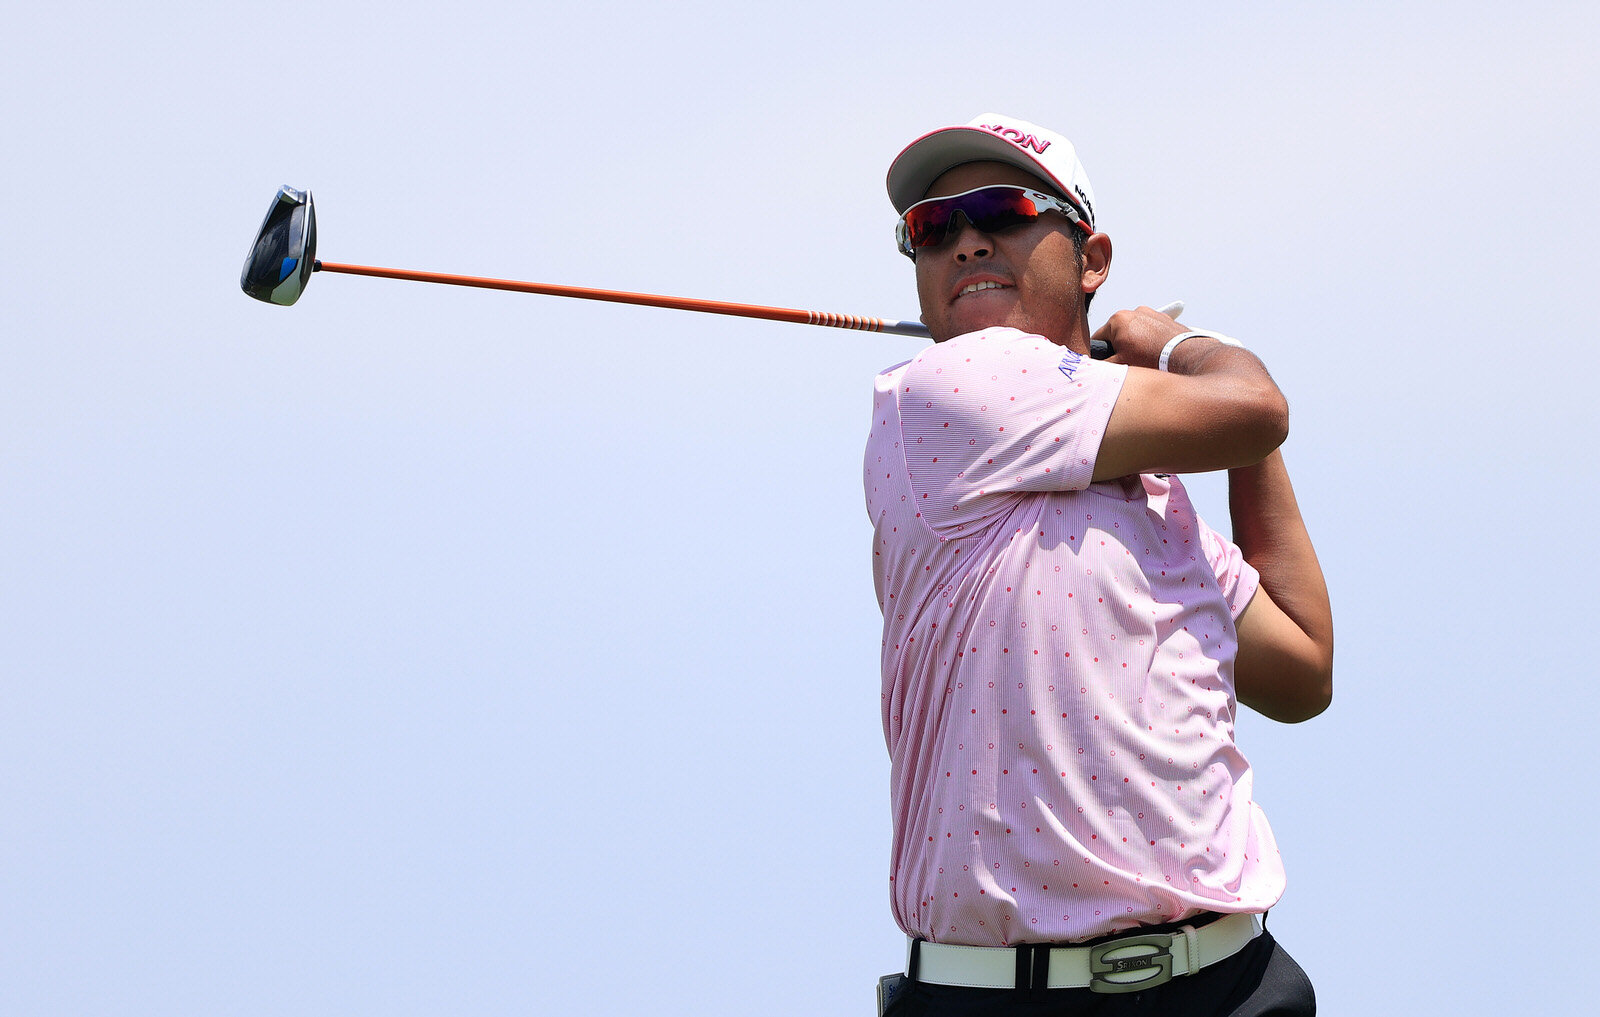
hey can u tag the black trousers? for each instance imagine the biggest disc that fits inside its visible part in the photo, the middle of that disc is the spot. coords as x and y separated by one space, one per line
1258 981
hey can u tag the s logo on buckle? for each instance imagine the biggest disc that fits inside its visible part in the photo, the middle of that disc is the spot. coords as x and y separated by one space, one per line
1132 964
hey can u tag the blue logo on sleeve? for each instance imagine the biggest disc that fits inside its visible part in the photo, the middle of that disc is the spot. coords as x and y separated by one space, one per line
1069 363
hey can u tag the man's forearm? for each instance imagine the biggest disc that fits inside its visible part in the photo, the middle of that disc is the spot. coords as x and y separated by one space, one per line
1268 528
1215 410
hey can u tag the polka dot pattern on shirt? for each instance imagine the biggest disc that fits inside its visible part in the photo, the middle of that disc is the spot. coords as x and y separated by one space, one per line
1057 700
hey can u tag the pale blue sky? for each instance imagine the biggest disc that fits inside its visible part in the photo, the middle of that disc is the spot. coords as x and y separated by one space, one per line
417 651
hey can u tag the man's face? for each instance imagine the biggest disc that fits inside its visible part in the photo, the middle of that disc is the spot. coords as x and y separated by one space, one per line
1040 278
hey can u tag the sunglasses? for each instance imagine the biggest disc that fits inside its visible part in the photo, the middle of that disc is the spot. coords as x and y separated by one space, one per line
988 209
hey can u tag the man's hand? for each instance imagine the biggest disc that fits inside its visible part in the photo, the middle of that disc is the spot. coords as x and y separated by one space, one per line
1215 408
1138 336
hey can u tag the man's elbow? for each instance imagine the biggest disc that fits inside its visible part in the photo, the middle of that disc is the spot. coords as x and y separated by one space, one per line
1319 697
1292 691
1267 412
1313 694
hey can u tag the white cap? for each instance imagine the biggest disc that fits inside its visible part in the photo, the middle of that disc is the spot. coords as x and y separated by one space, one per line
992 137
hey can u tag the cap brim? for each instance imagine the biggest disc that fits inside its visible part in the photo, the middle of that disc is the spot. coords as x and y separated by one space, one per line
923 161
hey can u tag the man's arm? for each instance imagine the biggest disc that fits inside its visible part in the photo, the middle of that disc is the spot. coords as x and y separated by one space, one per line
1215 408
1285 664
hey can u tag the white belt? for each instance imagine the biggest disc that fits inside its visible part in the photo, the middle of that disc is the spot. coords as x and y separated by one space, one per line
1126 964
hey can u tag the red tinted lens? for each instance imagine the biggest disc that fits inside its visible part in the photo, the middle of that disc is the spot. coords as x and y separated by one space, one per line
990 209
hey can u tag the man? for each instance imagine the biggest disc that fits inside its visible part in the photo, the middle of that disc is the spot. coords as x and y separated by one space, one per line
1065 640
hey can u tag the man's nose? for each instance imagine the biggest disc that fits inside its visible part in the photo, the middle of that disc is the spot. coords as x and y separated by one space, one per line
966 240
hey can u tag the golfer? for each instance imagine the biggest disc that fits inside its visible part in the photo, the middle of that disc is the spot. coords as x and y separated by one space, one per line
1066 642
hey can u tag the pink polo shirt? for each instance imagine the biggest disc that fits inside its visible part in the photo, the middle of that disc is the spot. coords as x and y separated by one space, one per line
1057 661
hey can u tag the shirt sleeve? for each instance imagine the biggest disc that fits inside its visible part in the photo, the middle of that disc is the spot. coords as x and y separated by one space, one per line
1236 578
993 415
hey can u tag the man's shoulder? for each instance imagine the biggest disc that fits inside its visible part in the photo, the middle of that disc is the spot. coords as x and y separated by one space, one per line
968 366
893 371
996 338
979 347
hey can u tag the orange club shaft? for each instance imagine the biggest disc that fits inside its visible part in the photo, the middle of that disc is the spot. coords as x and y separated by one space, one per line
789 314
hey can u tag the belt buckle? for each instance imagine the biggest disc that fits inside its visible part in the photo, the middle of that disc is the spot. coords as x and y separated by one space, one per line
1148 958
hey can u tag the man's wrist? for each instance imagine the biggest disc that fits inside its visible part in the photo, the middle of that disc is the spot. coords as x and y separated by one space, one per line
1172 344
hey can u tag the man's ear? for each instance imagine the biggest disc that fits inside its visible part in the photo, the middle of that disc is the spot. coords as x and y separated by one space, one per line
1096 261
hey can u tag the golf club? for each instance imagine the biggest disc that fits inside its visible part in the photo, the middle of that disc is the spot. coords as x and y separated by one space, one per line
279 266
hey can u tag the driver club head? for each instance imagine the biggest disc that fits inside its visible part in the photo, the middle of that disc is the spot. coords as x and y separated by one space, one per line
284 254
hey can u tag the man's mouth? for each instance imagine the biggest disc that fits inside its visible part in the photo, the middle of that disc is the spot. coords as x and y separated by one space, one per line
977 287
